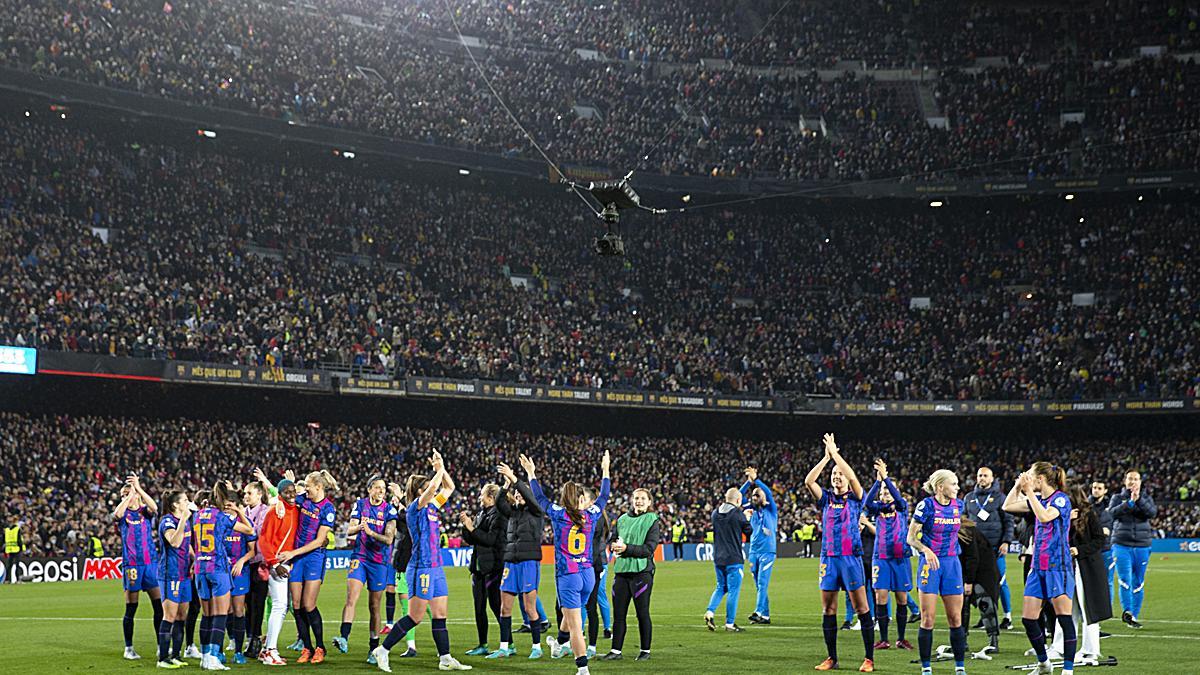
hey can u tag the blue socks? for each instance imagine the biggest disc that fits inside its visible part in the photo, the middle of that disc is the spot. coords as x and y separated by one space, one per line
925 645
1067 626
958 644
441 637
1037 637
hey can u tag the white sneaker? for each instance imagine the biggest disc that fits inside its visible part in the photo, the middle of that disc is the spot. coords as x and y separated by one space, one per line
1087 659
191 652
1044 668
272 658
857 625
381 659
556 650
131 655
450 663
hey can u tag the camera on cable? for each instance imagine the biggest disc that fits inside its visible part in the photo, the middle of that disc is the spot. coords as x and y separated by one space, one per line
614 195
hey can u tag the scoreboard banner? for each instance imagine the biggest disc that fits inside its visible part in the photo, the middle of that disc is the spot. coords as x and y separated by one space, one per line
992 408
521 391
254 376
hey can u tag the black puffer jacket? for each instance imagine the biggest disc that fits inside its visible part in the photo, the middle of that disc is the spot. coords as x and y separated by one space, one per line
402 544
524 540
488 538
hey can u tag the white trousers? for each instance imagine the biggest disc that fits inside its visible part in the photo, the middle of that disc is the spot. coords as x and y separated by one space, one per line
1089 637
277 588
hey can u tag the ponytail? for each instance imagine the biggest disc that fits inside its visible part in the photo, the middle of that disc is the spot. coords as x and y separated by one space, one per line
569 496
936 479
1054 474
331 485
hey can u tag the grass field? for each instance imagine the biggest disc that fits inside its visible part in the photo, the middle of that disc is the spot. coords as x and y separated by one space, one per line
76 627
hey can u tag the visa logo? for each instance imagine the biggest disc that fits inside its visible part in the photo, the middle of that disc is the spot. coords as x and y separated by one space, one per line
459 557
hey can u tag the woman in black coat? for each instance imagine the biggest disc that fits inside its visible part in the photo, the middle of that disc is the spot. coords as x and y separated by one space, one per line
487 532
981 581
1094 603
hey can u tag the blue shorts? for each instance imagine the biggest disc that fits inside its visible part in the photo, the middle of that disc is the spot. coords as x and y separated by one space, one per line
241 584
575 589
177 592
946 580
375 576
892 574
521 577
308 567
391 576
211 585
1048 584
841 572
427 583
139 577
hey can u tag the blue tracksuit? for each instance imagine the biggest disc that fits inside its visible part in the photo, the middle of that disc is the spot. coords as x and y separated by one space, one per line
764 521
729 527
1131 546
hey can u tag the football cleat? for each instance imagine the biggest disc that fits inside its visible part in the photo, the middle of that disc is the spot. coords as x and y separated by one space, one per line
381 659
451 663
131 655
505 653
827 664
481 650
342 644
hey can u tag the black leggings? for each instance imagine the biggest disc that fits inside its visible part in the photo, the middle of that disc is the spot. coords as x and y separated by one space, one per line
592 606
256 602
485 588
637 587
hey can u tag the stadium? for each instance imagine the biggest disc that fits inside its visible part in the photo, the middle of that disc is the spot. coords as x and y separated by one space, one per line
828 335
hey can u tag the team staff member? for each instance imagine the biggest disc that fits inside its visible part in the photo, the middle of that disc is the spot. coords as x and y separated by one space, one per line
678 536
139 556
1099 501
764 521
729 526
487 533
14 545
1131 513
995 525
841 552
522 561
633 572
981 581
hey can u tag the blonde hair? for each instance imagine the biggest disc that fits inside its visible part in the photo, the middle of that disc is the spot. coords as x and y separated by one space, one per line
322 478
937 479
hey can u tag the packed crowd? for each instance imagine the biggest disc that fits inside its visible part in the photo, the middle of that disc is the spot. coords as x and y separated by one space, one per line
221 259
63 474
311 67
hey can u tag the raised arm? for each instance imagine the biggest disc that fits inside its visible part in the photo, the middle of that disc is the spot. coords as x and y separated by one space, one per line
147 500
605 484
268 490
1043 513
539 497
122 506
242 523
814 475
1015 502
435 483
872 494
836 453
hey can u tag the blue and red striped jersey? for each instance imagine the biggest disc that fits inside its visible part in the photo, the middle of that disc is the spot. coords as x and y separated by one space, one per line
572 543
839 524
939 525
313 515
425 528
891 522
1051 541
236 545
376 517
210 526
137 538
175 563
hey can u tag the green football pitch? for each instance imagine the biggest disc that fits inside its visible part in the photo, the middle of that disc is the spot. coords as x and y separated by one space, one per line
76 627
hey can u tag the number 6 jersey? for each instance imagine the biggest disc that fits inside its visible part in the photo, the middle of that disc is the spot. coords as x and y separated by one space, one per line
572 544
